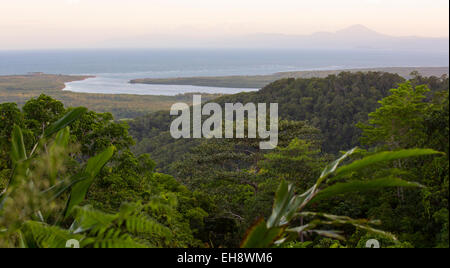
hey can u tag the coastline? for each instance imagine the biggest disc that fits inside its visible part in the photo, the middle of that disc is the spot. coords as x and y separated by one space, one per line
259 81
21 88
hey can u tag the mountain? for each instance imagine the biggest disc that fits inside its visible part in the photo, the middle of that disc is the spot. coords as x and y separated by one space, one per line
353 37
358 31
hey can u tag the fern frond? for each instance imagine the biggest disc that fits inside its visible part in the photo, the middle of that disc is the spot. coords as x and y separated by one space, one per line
112 238
128 228
41 235
143 225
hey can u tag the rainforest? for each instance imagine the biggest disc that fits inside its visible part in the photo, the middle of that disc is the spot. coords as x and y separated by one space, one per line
361 156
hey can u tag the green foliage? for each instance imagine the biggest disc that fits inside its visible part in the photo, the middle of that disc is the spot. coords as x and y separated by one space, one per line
41 235
21 88
362 186
333 104
298 163
419 122
385 242
94 229
96 132
232 174
42 111
128 228
69 118
18 151
399 120
10 115
217 188
50 181
93 168
288 205
259 81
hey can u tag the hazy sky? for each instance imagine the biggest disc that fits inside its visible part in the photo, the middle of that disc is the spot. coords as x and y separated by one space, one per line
84 23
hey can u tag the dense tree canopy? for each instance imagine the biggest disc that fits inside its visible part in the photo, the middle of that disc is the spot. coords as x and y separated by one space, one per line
129 183
391 114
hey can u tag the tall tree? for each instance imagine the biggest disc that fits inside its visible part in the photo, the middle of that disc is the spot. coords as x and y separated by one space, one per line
399 122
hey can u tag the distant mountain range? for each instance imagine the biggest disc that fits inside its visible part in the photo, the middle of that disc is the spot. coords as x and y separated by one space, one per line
357 36
354 37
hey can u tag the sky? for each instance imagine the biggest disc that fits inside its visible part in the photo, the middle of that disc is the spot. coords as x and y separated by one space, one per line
87 23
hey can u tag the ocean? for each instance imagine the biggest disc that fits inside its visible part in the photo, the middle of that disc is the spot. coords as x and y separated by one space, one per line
115 68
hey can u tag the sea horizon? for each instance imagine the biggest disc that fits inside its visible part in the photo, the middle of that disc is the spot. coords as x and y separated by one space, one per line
114 68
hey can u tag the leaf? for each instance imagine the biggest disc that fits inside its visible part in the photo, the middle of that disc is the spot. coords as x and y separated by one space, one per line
57 190
300 229
259 236
62 137
18 151
284 195
330 234
361 186
3 197
338 219
383 157
96 163
362 224
41 235
22 242
80 189
292 208
333 166
61 142
66 120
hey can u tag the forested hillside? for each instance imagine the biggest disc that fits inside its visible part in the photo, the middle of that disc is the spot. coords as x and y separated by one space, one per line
334 105
260 81
320 119
70 173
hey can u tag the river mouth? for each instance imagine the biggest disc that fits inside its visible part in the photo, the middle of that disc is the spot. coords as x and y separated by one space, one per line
121 85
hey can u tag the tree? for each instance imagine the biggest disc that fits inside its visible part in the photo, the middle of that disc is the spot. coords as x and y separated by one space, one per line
398 123
9 115
298 163
78 178
289 206
409 119
41 112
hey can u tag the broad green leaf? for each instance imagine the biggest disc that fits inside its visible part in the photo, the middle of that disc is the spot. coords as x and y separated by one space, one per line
333 166
376 231
361 186
94 166
259 236
292 208
338 219
284 195
66 120
57 190
330 234
299 229
62 137
18 151
362 224
383 157
96 163
61 141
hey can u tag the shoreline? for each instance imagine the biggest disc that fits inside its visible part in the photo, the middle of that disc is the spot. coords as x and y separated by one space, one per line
21 88
259 81
245 82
